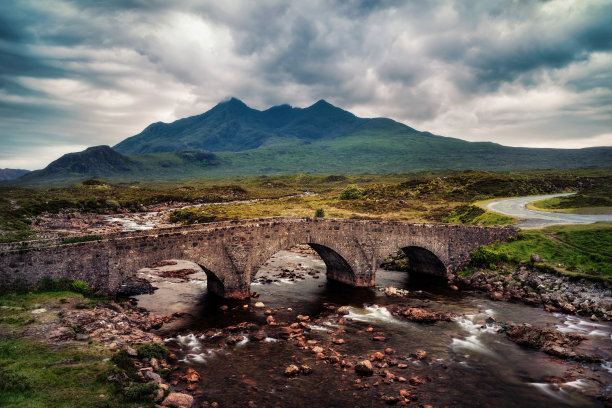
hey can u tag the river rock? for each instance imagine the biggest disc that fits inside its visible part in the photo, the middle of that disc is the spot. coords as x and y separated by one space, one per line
419 354
61 334
305 369
135 286
550 341
343 310
377 356
364 367
150 376
178 400
417 314
292 370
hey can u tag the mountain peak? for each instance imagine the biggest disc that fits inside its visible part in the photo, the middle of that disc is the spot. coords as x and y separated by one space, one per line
322 103
234 102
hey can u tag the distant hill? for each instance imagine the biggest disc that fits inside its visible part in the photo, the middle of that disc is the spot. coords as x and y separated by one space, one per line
232 139
11 174
102 162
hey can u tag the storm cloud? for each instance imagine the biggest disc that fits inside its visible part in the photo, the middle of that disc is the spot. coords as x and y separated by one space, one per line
523 73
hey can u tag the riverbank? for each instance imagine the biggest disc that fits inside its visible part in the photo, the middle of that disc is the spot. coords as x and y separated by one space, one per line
530 285
298 333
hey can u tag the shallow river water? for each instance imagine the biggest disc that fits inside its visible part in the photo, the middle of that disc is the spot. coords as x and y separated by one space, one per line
468 363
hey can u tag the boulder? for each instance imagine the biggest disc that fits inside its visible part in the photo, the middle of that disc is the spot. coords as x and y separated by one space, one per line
535 258
364 367
178 400
292 370
150 376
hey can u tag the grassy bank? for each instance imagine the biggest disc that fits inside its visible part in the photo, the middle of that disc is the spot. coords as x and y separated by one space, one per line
594 199
573 250
37 373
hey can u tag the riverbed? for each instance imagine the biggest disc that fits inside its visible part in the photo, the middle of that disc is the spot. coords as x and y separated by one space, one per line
467 362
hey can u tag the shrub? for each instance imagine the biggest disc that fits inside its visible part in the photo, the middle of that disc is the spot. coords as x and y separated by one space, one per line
112 204
13 381
485 257
351 192
123 360
152 350
81 287
140 392
319 213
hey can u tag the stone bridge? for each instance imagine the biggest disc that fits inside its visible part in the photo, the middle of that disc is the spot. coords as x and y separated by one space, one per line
232 252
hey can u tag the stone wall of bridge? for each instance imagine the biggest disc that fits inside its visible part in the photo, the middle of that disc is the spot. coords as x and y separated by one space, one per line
232 252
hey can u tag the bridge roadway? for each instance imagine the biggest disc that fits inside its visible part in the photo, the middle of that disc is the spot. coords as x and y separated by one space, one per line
232 252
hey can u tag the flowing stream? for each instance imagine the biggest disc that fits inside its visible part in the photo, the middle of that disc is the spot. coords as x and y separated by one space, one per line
468 363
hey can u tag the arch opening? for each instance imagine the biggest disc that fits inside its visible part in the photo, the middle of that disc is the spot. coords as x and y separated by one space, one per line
337 268
421 260
177 285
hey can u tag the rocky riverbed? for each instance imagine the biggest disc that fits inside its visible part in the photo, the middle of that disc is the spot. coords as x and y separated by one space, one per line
304 341
405 342
556 293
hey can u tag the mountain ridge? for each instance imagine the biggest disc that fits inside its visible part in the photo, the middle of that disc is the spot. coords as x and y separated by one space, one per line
319 139
234 126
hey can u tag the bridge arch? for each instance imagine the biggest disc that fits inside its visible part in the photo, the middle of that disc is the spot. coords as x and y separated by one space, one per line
338 264
421 257
422 260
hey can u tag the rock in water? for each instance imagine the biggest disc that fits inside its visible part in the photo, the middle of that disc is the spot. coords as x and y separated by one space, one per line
292 370
364 367
178 400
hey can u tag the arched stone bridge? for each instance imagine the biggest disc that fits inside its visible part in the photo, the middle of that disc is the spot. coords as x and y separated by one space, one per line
232 252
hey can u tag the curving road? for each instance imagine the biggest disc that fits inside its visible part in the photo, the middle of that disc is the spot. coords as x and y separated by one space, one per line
515 207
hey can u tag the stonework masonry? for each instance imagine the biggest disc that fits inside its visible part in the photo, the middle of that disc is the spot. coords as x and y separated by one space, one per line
232 252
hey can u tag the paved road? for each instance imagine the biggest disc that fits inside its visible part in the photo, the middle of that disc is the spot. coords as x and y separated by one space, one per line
515 207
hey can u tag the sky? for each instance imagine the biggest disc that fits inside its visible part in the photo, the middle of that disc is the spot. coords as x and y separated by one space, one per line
79 73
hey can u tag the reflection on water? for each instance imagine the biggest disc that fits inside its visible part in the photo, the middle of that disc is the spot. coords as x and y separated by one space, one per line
468 362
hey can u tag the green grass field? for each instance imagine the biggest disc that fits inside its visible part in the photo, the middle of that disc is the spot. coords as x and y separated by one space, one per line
573 250
440 196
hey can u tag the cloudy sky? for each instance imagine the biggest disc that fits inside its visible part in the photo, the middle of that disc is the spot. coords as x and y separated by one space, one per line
78 73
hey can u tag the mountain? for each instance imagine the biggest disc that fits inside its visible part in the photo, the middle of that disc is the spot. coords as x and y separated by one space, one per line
233 139
11 174
104 162
232 126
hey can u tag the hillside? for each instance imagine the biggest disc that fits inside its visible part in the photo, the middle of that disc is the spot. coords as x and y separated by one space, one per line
102 162
11 174
320 139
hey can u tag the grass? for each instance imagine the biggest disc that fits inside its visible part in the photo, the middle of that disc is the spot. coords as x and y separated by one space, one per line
86 238
36 374
594 238
573 250
593 199
558 204
439 196
55 376
45 376
474 215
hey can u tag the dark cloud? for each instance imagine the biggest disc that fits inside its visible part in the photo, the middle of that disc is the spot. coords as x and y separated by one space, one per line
101 70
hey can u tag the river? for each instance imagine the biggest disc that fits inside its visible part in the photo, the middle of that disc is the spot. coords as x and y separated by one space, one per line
467 364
